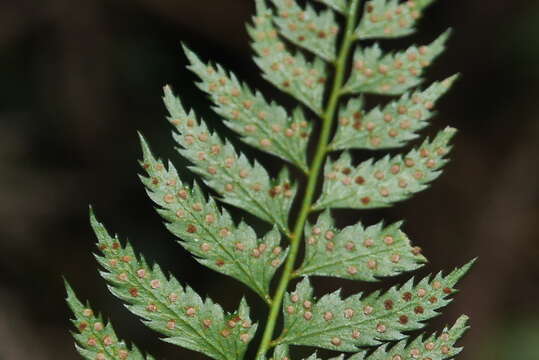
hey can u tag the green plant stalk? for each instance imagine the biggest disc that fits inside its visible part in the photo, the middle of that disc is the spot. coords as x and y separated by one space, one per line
314 174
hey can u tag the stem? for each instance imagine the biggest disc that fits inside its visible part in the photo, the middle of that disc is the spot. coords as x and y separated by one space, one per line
314 174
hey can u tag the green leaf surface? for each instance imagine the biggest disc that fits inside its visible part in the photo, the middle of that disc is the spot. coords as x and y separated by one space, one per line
209 232
266 126
434 347
394 73
177 312
290 72
241 183
392 126
376 184
95 338
357 252
304 27
281 352
347 324
390 18
340 6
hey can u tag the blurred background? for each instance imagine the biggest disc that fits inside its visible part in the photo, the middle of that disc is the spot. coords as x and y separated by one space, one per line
80 77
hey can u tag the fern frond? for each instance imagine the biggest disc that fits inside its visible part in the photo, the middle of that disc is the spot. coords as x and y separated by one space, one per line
179 313
305 53
242 184
386 181
209 232
392 74
340 6
390 18
289 72
390 127
95 338
266 126
345 325
306 28
356 252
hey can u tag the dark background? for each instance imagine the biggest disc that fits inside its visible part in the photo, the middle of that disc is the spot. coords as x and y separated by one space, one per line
79 78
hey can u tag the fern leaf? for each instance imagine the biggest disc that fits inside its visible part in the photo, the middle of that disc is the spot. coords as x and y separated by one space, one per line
433 347
356 252
209 232
96 338
386 181
391 127
345 325
306 28
289 72
168 308
242 184
266 126
392 74
340 6
390 18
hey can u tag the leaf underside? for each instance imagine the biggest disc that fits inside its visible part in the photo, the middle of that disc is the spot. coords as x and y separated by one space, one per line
347 324
391 126
167 307
390 18
306 28
296 47
95 338
357 252
374 72
240 182
265 126
434 347
290 72
209 232
381 183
